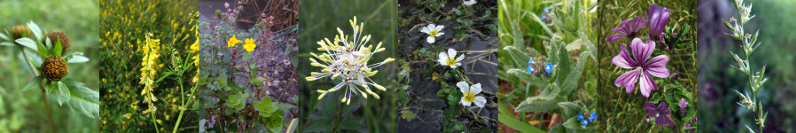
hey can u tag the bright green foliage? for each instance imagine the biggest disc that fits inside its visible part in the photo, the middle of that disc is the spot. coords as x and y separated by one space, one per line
237 101
274 122
266 107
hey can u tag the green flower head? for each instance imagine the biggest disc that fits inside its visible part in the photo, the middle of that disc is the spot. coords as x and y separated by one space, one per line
266 107
237 101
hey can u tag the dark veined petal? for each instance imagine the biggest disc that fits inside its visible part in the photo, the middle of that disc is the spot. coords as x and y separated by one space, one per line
615 37
641 50
646 84
651 109
657 66
624 60
628 80
659 16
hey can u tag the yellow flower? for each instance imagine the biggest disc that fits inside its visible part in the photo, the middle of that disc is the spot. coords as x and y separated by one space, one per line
249 46
128 115
159 121
104 80
232 41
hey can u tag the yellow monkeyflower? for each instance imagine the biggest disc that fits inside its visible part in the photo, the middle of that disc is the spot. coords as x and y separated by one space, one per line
249 46
232 41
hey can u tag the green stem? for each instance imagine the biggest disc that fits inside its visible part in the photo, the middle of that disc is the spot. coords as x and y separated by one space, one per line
155 123
185 103
338 118
43 94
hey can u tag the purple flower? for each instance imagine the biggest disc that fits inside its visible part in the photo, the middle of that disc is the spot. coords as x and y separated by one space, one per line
683 103
642 68
629 29
659 16
660 113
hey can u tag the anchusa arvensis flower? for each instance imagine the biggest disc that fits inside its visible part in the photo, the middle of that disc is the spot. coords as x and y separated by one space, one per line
641 67
348 62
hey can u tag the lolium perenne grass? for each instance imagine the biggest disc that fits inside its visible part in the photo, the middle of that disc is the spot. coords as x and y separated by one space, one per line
547 66
647 66
26 106
147 50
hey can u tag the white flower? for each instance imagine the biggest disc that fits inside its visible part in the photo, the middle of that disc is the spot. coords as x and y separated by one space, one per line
469 92
469 3
349 62
433 31
448 60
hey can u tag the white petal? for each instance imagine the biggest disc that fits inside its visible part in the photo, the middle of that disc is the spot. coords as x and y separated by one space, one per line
463 86
430 39
480 101
476 88
443 58
440 34
456 65
425 30
460 58
439 27
451 53
464 102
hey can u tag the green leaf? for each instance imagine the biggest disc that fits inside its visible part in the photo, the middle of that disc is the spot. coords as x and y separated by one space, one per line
563 65
57 49
353 124
4 37
408 115
292 127
656 96
35 29
517 56
286 107
27 42
573 125
570 109
518 125
319 126
574 45
33 83
83 99
538 104
528 78
571 80
222 79
257 81
64 90
43 50
77 59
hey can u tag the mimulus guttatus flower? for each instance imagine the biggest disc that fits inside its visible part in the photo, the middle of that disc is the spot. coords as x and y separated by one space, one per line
469 3
446 59
660 113
433 31
641 67
629 29
349 62
469 92
232 41
249 46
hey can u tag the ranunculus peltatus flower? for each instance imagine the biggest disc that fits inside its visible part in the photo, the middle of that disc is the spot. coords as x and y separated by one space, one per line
54 68
20 31
59 36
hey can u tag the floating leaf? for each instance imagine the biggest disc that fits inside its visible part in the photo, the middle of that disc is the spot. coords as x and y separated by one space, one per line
408 115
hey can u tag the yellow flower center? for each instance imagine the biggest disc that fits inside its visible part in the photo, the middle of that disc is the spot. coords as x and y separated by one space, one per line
469 96
433 33
451 61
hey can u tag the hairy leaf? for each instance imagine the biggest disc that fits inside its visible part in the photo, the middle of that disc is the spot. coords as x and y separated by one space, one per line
538 104
83 99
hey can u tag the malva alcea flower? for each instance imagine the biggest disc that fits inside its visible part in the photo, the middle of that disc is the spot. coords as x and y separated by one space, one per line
660 113
446 59
249 46
683 104
629 29
349 62
642 68
659 16
433 31
232 41
468 94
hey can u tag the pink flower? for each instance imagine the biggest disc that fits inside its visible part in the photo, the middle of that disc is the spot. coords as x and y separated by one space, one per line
641 67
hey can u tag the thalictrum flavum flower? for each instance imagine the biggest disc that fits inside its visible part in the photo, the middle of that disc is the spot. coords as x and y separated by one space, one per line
349 62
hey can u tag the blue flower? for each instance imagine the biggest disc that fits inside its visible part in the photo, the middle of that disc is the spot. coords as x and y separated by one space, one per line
593 116
584 122
580 116
530 69
546 9
531 62
549 67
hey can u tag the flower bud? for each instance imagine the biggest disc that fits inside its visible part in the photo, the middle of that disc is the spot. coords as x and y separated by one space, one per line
54 68
20 31
55 37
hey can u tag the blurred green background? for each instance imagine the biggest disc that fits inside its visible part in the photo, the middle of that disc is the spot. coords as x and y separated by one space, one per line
718 110
24 111
319 20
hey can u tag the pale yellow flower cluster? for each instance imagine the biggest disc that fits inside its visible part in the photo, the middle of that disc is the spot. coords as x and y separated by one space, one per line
149 65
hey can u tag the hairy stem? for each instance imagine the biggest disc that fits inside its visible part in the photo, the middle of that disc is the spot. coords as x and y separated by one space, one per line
43 92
